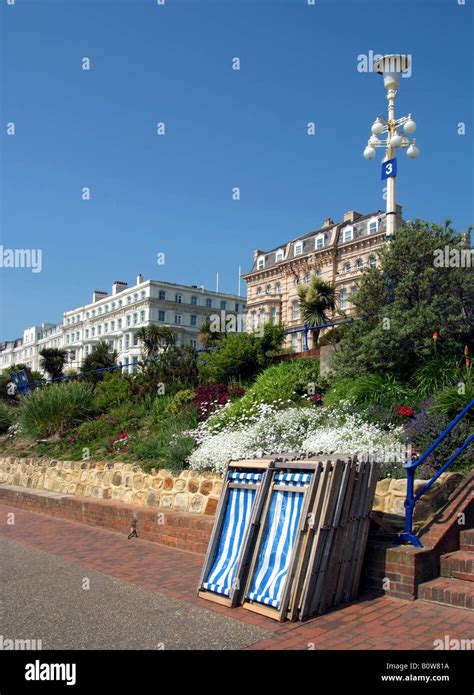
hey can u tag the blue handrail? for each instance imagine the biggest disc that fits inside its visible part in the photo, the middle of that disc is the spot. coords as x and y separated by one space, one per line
411 466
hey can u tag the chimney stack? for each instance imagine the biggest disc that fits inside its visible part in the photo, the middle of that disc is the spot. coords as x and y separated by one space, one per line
119 286
139 279
351 216
328 223
98 294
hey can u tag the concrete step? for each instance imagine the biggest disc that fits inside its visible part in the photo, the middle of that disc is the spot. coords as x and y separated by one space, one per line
458 565
466 540
448 592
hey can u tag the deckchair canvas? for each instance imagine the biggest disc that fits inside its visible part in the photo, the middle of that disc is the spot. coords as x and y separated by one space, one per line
234 533
279 542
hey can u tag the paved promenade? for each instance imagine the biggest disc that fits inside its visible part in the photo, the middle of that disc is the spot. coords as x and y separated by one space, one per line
78 587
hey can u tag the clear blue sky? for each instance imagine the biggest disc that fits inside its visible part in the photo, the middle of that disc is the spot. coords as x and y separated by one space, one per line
224 128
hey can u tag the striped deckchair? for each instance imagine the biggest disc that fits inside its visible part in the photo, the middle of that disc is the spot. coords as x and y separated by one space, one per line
285 521
234 533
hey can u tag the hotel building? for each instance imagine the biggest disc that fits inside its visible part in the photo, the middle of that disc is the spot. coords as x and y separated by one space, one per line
337 252
115 318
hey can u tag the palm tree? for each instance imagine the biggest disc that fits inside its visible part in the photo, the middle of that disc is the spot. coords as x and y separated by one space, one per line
102 356
208 337
155 339
317 301
52 361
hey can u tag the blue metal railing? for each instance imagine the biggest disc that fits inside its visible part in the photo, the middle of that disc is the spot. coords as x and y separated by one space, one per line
306 329
411 466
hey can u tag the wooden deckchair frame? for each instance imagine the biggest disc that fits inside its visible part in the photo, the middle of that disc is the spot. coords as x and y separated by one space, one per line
264 465
303 529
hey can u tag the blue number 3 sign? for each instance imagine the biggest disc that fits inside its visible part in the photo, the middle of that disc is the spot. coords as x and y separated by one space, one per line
389 168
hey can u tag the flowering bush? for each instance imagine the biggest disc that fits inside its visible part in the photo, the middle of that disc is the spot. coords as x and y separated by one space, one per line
424 427
268 429
405 410
208 398
120 442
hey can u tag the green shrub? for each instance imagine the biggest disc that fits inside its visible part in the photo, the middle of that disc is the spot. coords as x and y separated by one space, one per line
178 451
369 389
452 400
438 374
113 390
289 381
180 401
168 446
240 356
6 417
56 408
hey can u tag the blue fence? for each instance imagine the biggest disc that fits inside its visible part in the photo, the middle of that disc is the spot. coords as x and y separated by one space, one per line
411 466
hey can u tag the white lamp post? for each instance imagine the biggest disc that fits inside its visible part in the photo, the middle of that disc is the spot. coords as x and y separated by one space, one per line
391 67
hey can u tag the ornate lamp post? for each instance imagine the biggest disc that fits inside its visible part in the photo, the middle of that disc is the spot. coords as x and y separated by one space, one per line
391 67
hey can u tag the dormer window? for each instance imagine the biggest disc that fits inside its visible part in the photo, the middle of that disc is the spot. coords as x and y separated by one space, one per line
319 242
279 256
347 234
373 227
260 262
298 248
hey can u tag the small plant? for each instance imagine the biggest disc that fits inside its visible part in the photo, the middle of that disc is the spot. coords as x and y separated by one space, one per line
56 408
369 389
120 443
181 400
6 417
113 390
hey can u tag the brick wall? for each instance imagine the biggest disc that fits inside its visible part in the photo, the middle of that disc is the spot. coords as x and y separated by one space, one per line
176 529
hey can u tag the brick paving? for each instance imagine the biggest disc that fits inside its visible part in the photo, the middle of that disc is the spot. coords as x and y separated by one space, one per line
373 622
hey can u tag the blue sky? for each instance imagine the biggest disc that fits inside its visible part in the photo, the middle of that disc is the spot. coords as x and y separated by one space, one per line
224 128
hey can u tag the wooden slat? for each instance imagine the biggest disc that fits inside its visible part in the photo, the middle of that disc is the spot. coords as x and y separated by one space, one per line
340 524
300 543
333 509
364 527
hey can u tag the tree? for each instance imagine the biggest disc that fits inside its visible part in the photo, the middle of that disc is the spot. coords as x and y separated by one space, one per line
102 356
317 301
411 296
208 337
155 339
52 361
240 356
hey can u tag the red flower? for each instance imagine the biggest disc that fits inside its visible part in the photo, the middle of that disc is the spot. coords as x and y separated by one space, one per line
405 410
435 335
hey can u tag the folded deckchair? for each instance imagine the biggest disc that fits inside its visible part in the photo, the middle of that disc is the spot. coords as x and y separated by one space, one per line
234 532
282 530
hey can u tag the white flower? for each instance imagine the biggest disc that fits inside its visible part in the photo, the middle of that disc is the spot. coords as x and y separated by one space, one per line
266 430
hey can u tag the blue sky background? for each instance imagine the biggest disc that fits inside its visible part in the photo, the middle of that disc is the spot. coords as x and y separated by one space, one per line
224 128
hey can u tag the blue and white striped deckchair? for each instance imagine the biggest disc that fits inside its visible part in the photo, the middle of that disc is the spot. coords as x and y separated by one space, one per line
237 514
281 528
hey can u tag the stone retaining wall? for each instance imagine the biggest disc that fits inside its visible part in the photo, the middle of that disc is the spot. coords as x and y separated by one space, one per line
390 496
120 482
185 492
